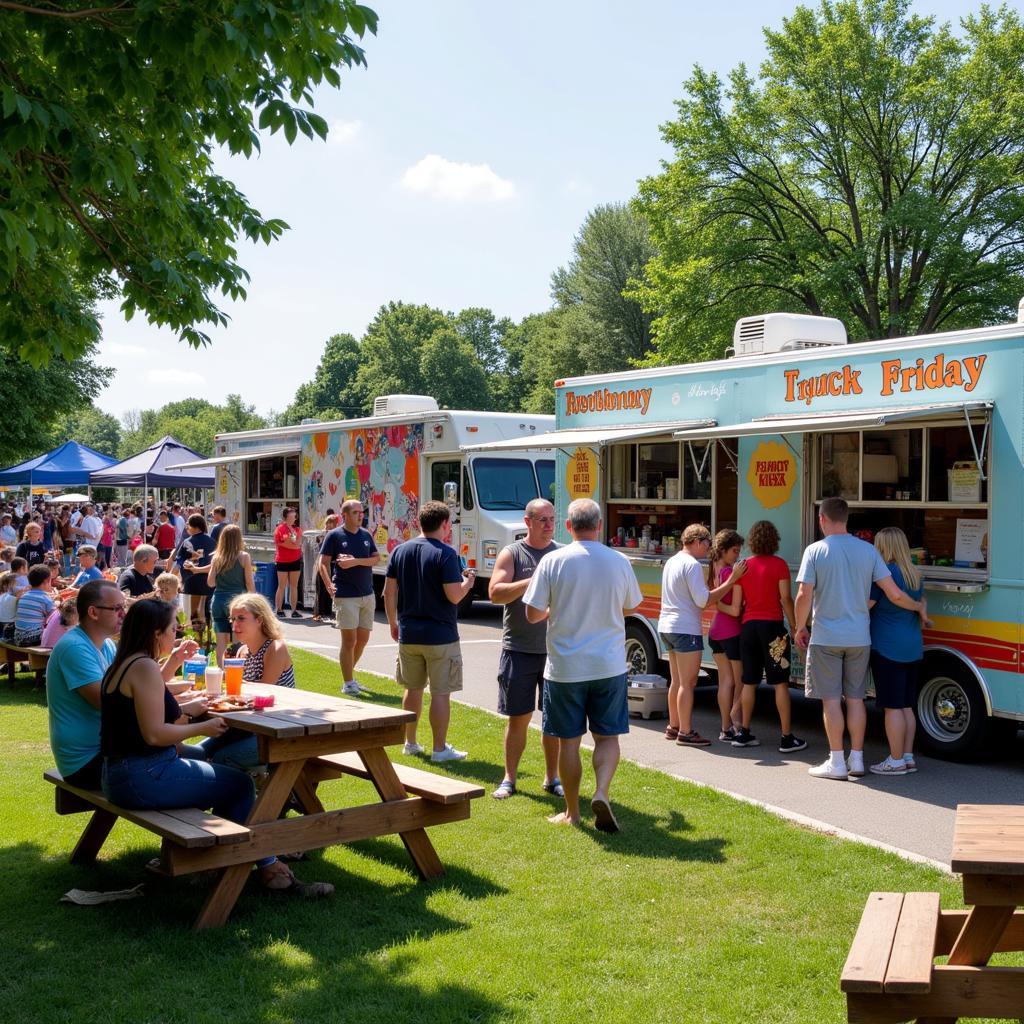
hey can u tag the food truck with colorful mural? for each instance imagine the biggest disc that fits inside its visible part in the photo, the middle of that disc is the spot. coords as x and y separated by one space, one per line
924 433
405 454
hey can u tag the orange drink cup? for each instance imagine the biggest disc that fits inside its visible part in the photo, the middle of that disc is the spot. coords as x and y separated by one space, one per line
233 676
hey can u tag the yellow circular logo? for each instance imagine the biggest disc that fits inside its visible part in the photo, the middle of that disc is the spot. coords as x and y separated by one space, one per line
772 473
581 474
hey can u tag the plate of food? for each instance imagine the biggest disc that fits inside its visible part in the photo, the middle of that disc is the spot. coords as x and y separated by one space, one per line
223 705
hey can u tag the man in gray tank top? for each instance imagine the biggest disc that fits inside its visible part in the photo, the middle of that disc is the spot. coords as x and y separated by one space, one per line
523 647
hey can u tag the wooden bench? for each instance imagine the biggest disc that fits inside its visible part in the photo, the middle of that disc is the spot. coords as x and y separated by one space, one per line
891 975
440 789
187 827
37 658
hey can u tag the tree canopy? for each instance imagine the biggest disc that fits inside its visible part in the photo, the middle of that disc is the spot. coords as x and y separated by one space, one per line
37 396
91 427
610 252
193 421
874 171
109 116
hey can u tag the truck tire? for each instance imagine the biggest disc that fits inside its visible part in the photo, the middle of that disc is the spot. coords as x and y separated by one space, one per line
465 607
641 651
953 722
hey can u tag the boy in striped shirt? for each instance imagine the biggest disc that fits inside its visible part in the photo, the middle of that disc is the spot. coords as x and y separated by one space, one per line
33 608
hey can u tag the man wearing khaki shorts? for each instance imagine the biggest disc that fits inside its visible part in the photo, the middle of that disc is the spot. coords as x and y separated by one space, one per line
422 592
835 580
347 557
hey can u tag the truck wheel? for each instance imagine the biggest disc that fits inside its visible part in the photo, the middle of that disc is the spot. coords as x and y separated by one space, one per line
465 606
641 652
954 723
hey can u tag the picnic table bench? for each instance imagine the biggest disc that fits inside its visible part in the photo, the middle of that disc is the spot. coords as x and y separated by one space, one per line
37 658
306 738
891 974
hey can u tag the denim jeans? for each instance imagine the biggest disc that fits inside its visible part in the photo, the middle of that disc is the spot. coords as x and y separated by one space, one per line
235 749
163 779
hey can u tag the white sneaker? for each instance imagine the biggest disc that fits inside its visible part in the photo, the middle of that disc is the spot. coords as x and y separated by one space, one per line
827 770
411 749
353 689
890 767
855 767
908 760
448 754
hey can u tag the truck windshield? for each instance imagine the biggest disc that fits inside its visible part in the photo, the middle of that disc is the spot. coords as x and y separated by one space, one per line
504 483
546 478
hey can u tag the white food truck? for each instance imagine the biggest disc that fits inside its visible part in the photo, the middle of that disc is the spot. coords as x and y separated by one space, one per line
925 433
406 453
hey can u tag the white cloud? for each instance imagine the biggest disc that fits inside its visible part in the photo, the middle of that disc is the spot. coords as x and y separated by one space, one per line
444 179
172 376
114 348
343 132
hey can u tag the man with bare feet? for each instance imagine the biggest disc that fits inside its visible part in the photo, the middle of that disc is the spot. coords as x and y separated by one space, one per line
584 590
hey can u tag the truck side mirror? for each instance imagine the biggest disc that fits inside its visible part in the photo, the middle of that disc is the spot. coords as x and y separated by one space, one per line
451 494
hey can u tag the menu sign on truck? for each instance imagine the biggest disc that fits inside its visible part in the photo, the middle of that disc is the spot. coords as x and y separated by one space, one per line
772 474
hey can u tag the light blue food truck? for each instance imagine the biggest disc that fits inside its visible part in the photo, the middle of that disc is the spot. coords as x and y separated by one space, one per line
924 433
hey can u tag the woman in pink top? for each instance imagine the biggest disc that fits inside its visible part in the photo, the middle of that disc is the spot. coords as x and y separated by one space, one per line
288 545
60 621
724 634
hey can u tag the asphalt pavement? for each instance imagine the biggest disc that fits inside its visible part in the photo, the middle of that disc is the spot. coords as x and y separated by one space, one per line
912 814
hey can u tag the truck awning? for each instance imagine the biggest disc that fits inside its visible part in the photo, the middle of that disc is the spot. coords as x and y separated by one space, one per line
590 437
835 421
248 456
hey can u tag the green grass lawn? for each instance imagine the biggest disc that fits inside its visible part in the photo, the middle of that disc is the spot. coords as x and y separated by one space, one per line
702 909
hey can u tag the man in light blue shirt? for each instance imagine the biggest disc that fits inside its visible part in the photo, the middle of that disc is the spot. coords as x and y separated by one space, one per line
835 577
73 676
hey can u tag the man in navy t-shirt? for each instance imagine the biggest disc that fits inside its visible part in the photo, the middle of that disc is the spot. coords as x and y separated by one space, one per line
347 557
422 592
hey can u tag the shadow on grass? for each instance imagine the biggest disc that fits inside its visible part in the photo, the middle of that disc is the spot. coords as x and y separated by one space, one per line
23 691
345 958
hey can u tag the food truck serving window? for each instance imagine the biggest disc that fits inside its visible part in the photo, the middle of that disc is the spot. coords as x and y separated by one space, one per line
662 470
931 481
269 482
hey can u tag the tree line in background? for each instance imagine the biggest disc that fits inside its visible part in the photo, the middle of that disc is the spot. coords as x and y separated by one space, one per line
872 170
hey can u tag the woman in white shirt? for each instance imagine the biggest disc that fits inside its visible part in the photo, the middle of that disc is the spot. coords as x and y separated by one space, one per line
684 595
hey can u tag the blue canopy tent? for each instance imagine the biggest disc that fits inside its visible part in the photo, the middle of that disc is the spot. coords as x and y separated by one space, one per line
149 468
70 465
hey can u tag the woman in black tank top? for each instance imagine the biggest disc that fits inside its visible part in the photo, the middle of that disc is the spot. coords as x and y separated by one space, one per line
140 725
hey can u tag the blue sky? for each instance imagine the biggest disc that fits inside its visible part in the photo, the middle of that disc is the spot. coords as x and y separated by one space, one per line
460 165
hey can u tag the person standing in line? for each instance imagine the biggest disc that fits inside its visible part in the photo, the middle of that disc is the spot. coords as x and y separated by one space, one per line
220 518
163 536
684 595
122 534
896 652
349 553
523 647
177 520
324 611
105 547
585 591
228 574
422 592
765 650
835 578
724 634
288 561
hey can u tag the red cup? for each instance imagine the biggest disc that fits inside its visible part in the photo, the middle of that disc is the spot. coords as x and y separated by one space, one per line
262 701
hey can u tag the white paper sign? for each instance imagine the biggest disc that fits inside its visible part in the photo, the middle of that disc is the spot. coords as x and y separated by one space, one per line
972 541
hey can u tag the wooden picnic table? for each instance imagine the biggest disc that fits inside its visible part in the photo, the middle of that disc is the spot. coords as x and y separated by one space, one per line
891 976
301 729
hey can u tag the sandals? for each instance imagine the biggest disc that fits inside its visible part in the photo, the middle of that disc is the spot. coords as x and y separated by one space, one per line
692 739
505 790
554 787
306 890
671 732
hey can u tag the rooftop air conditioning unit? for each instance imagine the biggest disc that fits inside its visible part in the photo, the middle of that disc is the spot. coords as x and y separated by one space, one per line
400 405
785 332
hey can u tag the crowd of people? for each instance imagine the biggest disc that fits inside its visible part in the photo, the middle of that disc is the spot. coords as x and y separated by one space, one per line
116 722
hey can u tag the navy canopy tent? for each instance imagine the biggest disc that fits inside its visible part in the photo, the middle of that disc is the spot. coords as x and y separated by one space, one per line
149 468
70 465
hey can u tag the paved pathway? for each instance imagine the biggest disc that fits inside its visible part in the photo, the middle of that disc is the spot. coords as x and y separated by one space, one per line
913 813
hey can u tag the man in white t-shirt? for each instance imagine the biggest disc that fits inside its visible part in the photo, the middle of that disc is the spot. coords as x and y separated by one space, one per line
584 590
90 529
